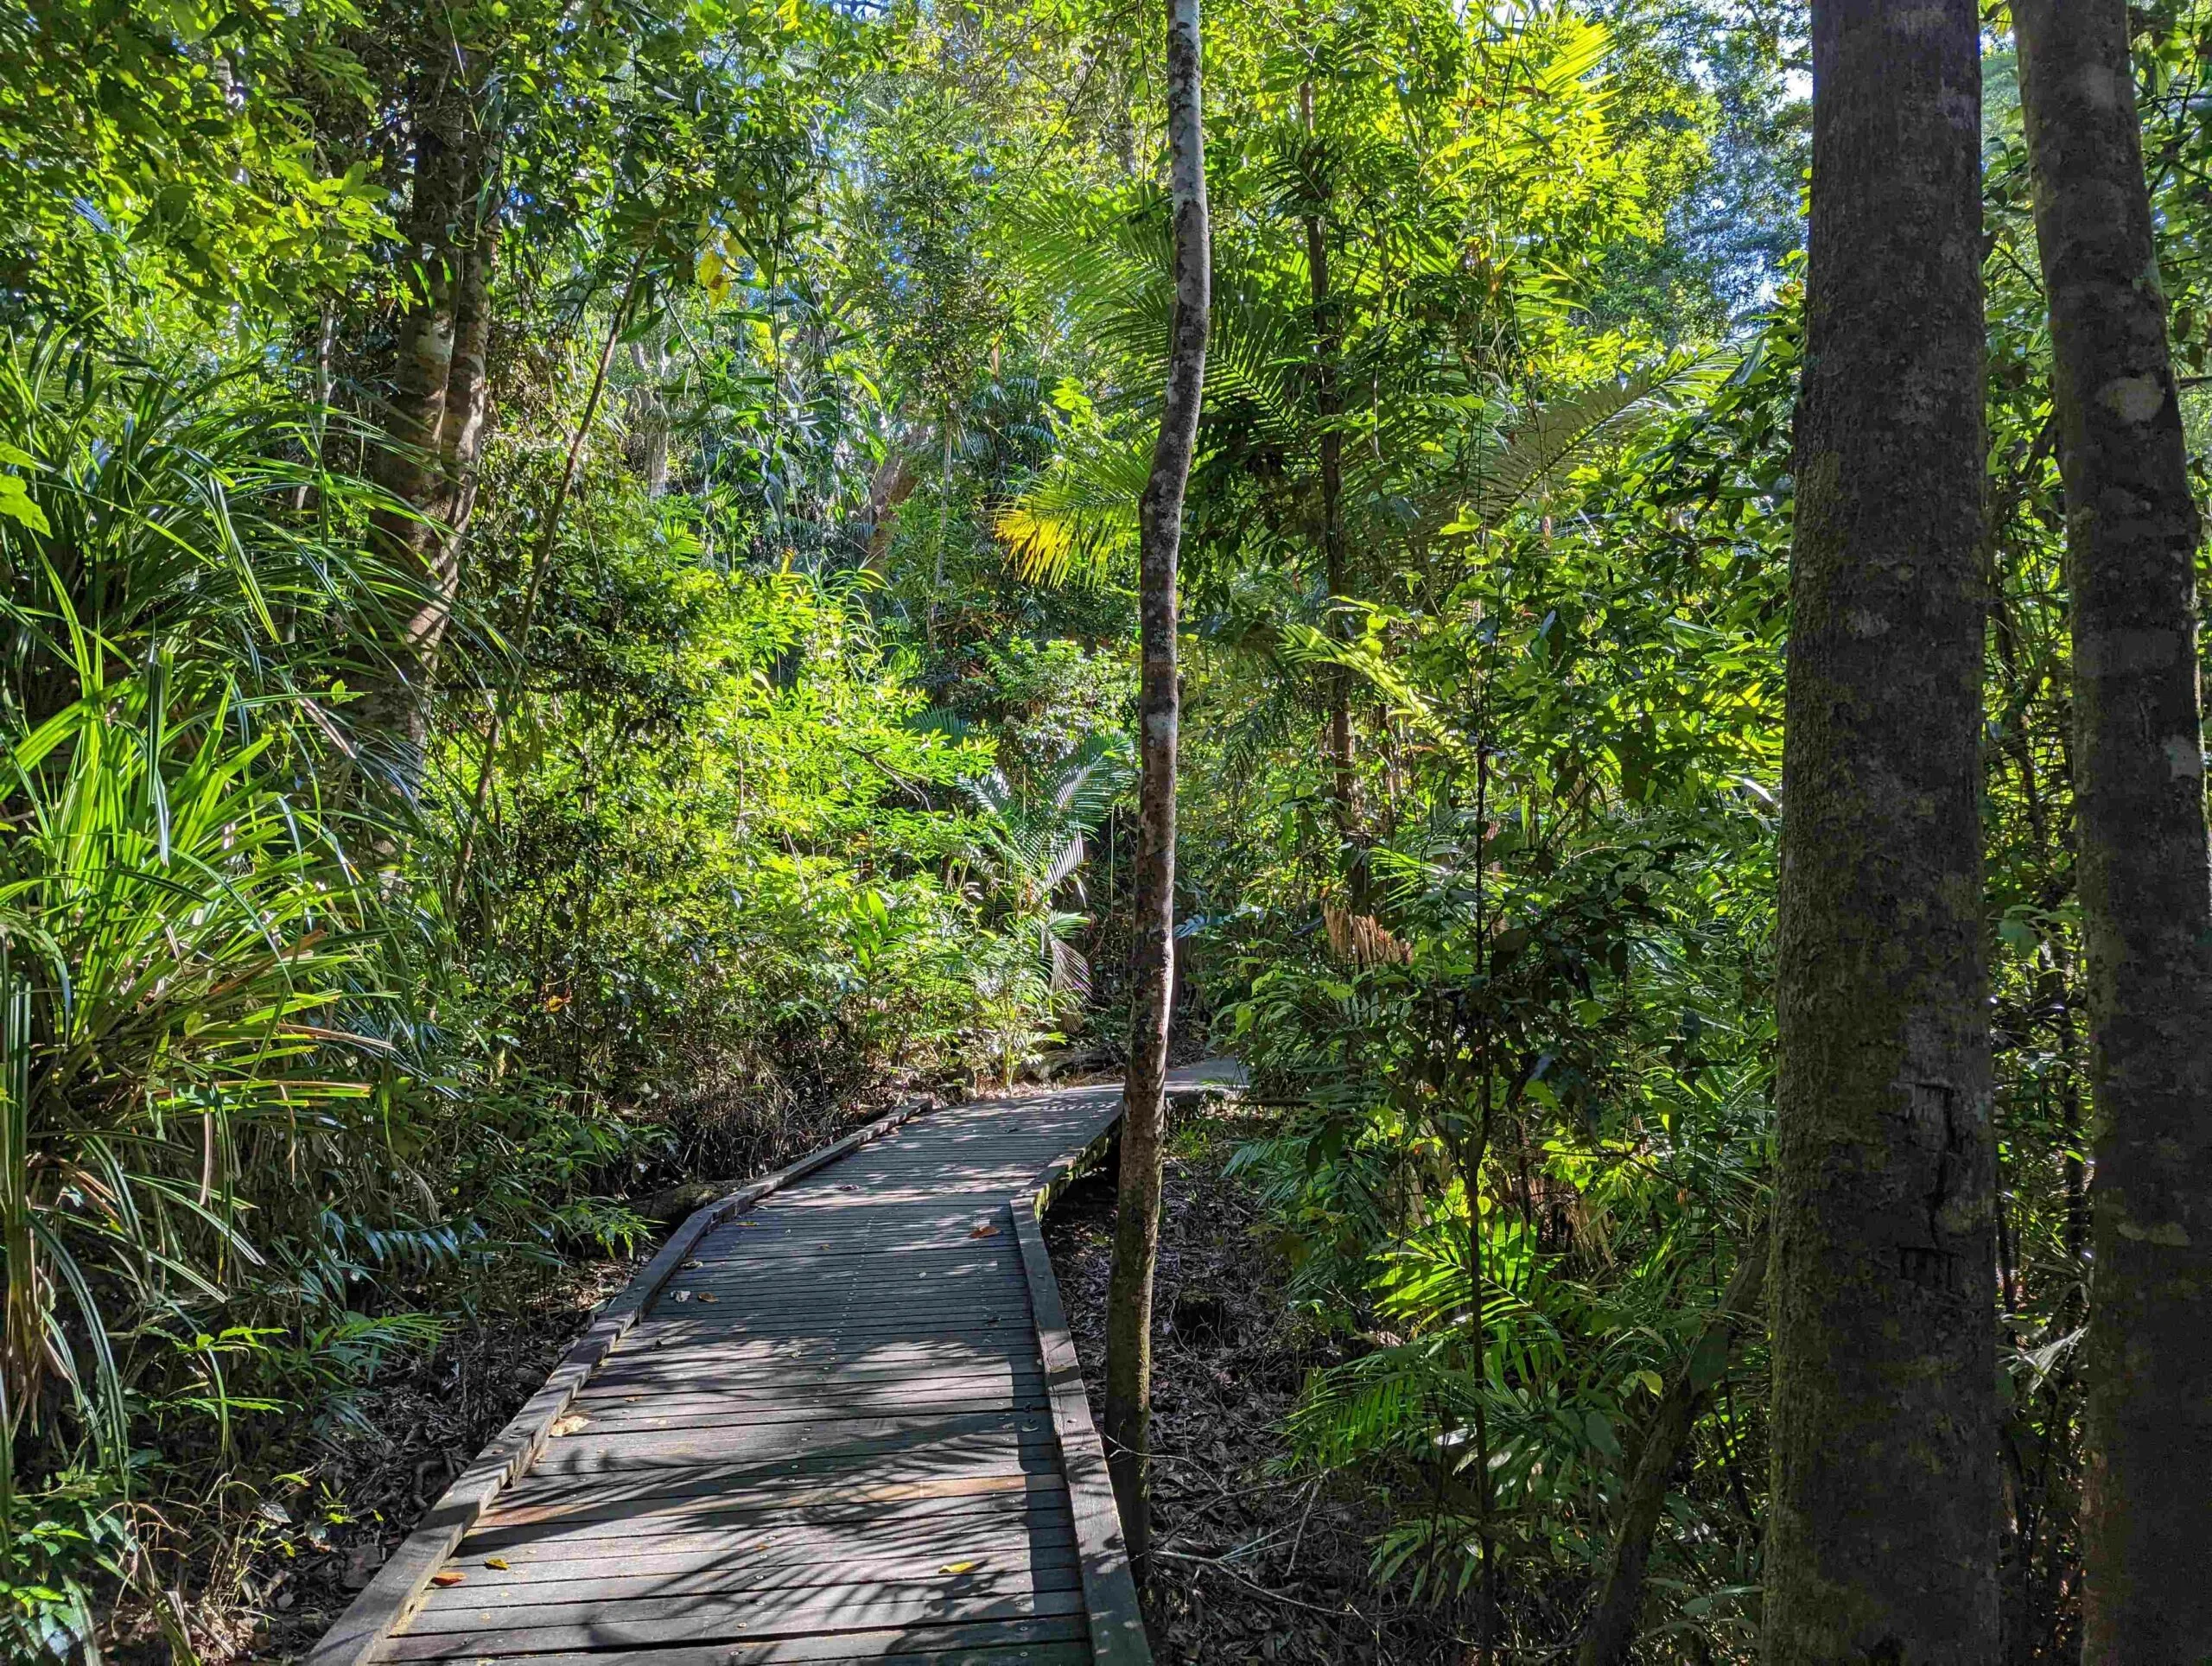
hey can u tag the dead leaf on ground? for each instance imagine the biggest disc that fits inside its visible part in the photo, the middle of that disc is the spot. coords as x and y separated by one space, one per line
569 1424
686 1266
681 1295
958 1568
500 1563
708 1295
362 1561
984 1230
448 1576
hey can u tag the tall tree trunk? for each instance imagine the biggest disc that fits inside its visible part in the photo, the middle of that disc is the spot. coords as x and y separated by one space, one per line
1882 1531
437 415
1328 347
1610 1633
2145 874
1136 1234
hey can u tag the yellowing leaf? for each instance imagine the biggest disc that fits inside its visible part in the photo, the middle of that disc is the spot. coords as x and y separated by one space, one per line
500 1563
957 1567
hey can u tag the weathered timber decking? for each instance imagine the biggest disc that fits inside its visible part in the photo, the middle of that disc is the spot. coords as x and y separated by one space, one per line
840 1422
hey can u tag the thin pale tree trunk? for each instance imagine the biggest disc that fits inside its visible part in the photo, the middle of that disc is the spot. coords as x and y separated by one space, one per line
541 566
2144 873
1882 1528
1136 1236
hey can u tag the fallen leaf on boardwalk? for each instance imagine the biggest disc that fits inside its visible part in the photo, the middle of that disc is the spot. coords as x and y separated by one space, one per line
984 1230
681 1295
686 1266
570 1424
500 1563
708 1295
446 1576
957 1567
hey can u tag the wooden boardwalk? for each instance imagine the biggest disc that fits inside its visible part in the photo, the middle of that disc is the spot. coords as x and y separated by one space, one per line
842 1424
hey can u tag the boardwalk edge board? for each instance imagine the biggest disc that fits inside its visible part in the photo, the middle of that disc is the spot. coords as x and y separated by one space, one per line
393 1596
1110 1591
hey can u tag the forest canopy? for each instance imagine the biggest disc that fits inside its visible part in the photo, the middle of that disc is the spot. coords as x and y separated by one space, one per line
572 628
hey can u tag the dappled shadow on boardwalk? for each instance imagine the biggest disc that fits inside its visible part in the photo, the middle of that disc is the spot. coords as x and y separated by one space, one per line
827 1440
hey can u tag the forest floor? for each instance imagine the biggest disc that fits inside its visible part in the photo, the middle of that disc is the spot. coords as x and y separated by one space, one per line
419 1425
305 1522
1253 1562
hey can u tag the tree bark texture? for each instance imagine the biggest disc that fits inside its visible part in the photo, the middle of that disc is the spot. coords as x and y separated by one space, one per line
1610 1633
1328 349
1136 1236
438 413
2144 876
892 484
1882 1528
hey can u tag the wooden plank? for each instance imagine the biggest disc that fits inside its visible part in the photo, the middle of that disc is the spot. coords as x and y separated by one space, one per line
887 1280
717 1440
856 1359
1050 1641
919 1321
832 1593
992 1547
872 1440
631 1596
886 1284
637 1412
734 1622
644 1515
971 1458
944 1507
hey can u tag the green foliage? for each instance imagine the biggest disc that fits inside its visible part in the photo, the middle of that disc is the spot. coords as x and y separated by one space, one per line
813 683
175 141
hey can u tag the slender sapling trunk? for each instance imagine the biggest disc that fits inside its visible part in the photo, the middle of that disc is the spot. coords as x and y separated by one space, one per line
1136 1236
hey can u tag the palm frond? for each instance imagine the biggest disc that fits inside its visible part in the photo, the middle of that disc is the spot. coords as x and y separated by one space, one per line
1078 521
1565 432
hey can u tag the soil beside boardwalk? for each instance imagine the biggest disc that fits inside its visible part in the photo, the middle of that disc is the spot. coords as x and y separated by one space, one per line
1256 1565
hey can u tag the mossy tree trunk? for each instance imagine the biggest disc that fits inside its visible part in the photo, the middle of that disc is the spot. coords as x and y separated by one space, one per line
1882 1531
2144 880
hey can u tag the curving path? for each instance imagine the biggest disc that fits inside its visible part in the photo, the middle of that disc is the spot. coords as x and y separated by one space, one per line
839 1423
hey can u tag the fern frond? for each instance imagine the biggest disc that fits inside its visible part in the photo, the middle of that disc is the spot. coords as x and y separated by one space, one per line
1565 432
